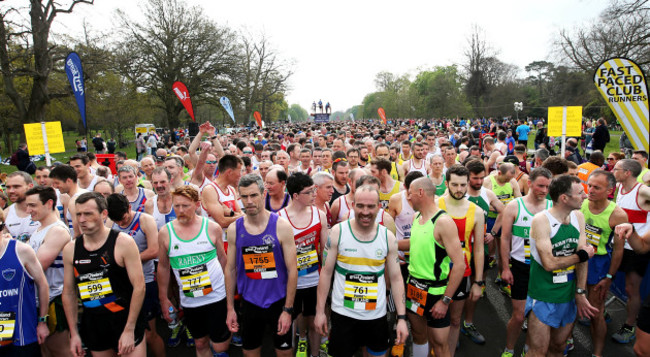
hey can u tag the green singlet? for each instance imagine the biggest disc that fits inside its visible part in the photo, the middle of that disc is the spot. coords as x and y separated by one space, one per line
559 285
597 228
428 261
504 193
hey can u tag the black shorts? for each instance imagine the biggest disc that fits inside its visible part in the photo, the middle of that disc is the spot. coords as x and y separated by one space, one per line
462 292
348 335
151 303
57 321
102 331
305 302
633 262
208 320
431 321
643 319
255 319
520 275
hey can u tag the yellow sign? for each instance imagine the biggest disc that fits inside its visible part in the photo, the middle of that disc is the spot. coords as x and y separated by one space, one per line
34 136
573 121
621 82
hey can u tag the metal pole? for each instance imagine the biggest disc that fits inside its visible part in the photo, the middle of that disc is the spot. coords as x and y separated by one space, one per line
563 130
48 160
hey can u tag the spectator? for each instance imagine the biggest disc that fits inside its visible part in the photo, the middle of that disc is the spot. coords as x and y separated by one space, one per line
601 136
625 145
98 143
588 134
140 146
110 145
522 133
152 143
540 136
21 160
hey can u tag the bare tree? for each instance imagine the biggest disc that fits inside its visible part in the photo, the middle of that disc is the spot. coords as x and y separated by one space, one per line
622 30
27 54
177 43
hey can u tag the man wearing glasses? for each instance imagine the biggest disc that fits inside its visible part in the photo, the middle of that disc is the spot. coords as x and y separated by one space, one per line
309 226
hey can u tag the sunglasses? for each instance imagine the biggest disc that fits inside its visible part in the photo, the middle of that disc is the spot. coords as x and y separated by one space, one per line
610 159
248 152
211 162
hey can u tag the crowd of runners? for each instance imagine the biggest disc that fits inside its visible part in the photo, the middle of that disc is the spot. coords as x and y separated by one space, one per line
356 236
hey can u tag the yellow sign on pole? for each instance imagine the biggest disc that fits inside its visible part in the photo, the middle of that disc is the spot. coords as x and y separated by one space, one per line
36 139
573 121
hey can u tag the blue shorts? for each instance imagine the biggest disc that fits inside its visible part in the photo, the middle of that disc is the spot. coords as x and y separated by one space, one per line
490 224
598 268
550 314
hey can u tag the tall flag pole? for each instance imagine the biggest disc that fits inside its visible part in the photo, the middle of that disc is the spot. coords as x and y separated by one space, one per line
623 85
184 95
74 71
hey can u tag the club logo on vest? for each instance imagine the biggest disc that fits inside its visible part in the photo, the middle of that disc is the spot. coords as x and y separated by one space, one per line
8 274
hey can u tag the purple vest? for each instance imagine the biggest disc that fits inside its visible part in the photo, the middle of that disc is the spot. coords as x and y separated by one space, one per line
261 272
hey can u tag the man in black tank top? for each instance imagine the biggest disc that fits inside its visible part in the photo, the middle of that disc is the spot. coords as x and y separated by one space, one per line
103 268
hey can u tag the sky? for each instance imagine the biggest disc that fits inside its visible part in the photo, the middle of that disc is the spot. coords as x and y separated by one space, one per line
338 47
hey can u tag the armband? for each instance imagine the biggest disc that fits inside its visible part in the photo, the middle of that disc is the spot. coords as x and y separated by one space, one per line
582 255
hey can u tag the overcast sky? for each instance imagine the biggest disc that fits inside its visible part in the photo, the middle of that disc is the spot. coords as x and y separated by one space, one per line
339 46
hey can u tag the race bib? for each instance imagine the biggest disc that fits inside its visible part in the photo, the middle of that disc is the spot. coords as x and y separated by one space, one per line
7 324
527 250
505 198
195 280
259 262
94 290
360 291
593 234
561 276
307 259
416 296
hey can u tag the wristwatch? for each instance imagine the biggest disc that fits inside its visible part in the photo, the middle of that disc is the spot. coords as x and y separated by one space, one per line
232 213
288 310
401 317
581 291
609 276
446 300
43 318
480 283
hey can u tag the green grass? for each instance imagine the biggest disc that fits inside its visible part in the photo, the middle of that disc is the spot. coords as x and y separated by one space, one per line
612 145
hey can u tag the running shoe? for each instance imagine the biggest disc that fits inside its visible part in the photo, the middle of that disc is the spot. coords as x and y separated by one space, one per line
506 354
236 340
397 350
175 337
492 262
190 340
324 348
624 335
569 346
505 289
301 351
470 331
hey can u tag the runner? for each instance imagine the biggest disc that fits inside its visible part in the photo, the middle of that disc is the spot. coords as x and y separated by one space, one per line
174 164
340 170
437 175
324 188
417 162
190 245
341 206
48 242
471 230
24 325
139 198
264 261
515 249
361 255
382 151
380 168
64 178
309 230
556 290
17 221
142 228
276 196
101 257
218 197
634 198
601 217
81 164
382 218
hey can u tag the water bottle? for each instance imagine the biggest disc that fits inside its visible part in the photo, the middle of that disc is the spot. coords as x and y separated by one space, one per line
173 315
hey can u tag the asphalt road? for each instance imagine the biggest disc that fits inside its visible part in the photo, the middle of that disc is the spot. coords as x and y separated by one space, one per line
492 314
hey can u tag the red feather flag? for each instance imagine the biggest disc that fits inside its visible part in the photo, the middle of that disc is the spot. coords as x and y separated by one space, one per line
382 115
258 118
184 95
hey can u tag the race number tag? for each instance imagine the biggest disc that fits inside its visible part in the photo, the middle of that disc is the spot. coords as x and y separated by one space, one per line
527 250
561 276
360 291
259 262
416 296
593 234
94 290
195 280
307 259
7 323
